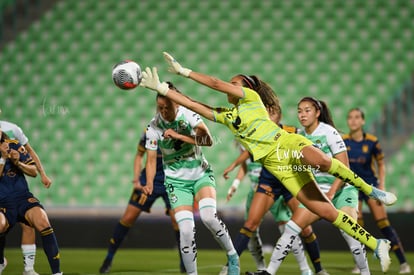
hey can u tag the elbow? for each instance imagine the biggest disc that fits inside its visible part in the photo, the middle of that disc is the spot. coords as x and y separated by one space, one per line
215 83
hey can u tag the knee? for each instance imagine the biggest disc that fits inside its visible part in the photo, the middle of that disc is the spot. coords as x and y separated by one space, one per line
251 224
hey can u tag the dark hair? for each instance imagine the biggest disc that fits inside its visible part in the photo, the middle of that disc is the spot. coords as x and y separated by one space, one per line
266 93
358 110
325 114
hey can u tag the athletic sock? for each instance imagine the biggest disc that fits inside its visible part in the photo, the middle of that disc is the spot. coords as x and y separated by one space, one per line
312 247
255 248
50 246
208 215
120 231
242 240
339 170
298 251
188 248
358 252
29 255
283 246
353 229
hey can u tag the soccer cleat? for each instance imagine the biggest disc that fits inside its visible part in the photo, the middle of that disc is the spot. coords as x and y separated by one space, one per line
356 270
224 270
106 266
260 272
381 252
233 264
385 197
306 272
3 265
322 272
405 268
30 272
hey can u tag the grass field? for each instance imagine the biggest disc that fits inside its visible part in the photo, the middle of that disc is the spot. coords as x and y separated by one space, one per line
139 261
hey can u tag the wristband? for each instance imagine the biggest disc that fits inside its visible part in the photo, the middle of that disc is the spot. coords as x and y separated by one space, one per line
185 72
163 88
235 183
2 161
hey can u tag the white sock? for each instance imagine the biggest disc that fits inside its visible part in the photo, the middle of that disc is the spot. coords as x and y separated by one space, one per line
255 248
358 252
298 251
208 215
188 249
29 255
283 246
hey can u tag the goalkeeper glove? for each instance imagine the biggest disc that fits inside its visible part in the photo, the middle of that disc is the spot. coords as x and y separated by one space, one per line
176 67
151 81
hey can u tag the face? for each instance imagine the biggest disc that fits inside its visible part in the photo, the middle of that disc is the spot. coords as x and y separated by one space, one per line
307 114
167 108
355 120
237 81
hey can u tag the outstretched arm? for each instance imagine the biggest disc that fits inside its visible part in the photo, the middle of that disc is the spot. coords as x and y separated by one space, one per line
151 81
206 80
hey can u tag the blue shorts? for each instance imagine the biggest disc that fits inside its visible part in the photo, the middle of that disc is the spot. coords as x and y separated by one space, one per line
23 203
144 202
8 209
271 186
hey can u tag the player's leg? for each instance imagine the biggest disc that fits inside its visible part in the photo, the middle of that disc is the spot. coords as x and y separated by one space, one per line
28 245
289 236
121 229
206 198
310 240
312 156
347 200
176 232
185 220
261 203
4 226
381 217
39 219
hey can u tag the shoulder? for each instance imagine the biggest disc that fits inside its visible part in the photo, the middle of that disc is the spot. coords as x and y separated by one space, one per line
346 136
371 137
290 129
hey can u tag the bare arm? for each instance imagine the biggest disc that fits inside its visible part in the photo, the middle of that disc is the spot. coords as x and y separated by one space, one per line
381 173
193 105
216 84
235 184
202 136
47 182
150 169
137 168
27 169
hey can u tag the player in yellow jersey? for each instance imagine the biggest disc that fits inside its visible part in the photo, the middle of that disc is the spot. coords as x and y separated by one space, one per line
289 157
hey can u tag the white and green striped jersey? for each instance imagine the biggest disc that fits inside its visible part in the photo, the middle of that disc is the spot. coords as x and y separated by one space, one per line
326 138
181 160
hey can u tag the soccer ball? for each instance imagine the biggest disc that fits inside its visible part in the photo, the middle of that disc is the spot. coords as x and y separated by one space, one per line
126 74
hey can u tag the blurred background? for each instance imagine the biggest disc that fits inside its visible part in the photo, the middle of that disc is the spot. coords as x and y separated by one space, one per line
55 81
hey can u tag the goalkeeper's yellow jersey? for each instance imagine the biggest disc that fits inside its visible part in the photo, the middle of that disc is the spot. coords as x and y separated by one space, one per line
250 124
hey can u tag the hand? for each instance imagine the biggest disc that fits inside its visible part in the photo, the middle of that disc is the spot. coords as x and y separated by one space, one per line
14 157
227 171
47 182
175 67
151 81
170 133
230 193
137 185
147 189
